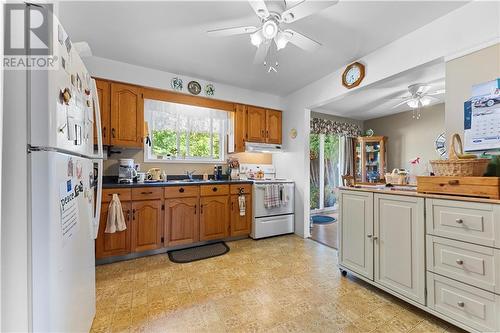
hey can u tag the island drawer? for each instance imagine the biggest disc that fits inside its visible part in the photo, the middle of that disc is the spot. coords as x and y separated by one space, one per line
471 306
473 264
181 191
466 221
209 190
246 188
124 194
147 193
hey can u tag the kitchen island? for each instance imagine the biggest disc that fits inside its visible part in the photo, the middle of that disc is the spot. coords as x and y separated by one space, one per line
440 253
161 216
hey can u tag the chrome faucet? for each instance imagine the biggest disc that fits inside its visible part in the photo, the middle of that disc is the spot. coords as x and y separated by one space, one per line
190 174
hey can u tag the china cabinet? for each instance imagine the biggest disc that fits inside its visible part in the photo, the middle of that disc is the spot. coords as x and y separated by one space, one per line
370 156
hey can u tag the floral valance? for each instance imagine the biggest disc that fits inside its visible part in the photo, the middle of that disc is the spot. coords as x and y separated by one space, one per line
325 126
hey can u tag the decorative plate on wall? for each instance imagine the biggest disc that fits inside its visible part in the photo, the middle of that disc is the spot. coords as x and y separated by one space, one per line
176 84
440 144
194 87
209 90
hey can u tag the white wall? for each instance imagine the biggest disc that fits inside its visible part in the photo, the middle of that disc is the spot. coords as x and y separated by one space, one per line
475 24
120 71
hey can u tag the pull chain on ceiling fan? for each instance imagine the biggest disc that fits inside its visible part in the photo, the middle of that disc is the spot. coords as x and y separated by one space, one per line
274 17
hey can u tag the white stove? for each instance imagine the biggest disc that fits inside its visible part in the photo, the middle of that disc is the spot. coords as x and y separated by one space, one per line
270 221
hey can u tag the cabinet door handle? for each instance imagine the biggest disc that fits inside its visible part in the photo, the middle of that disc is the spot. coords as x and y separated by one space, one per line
112 132
375 237
195 206
104 132
267 134
262 133
459 262
181 190
369 236
128 214
150 192
461 304
232 206
214 189
133 214
459 221
201 209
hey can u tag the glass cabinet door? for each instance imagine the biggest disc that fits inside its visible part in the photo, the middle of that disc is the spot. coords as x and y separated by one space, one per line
358 169
372 161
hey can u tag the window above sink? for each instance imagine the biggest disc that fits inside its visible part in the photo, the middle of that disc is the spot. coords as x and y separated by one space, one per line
182 133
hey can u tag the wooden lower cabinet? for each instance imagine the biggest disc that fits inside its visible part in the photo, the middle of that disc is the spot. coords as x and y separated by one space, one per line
240 225
147 226
182 222
214 217
118 243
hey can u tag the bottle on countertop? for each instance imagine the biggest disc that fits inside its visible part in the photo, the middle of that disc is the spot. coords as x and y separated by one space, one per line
219 172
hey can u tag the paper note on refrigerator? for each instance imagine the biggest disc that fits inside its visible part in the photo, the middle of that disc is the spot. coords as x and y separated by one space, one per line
69 210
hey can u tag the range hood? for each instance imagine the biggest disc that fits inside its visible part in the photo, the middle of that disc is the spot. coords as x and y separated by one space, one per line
257 147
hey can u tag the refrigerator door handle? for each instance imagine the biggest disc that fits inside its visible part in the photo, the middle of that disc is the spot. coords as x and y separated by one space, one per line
97 116
97 213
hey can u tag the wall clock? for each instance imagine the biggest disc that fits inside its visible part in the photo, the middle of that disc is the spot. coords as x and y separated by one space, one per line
194 87
353 75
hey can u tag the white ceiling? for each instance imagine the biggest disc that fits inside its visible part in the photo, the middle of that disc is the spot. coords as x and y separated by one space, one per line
378 99
171 36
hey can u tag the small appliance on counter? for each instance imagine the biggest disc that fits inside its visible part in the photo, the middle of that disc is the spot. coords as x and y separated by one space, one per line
126 171
267 221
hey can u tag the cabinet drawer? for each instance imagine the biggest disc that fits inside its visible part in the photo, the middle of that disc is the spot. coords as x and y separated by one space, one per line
125 194
476 265
208 190
235 189
472 306
467 221
147 193
182 191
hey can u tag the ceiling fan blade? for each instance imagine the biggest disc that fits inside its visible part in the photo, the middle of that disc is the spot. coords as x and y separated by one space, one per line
261 53
423 89
401 103
303 42
432 98
305 8
437 92
232 31
259 7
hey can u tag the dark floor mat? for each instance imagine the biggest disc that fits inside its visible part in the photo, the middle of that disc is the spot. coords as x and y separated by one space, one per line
198 253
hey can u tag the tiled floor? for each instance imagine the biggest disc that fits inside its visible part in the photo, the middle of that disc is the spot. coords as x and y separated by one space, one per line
282 284
326 233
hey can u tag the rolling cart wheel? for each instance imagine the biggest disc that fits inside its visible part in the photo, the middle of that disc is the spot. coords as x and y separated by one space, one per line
343 272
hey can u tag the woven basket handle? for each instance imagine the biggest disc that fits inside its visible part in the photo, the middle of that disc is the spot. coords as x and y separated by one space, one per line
452 155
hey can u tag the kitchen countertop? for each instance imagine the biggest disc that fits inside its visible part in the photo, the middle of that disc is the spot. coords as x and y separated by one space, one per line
405 190
114 184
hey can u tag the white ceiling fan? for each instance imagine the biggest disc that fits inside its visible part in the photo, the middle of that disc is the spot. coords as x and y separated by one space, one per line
274 17
419 96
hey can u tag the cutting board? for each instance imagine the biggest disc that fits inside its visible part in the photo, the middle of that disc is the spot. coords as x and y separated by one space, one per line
483 187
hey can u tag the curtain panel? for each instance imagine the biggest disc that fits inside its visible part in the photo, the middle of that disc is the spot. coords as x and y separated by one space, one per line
325 126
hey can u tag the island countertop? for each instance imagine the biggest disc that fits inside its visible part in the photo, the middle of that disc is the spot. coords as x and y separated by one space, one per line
412 191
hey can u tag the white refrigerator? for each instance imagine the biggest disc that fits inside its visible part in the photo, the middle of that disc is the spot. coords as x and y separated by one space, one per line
65 172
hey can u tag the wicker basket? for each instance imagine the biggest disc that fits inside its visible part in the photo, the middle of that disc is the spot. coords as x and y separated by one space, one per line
455 166
395 178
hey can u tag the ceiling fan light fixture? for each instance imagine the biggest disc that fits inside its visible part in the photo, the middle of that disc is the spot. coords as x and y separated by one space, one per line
288 17
256 38
425 101
413 103
282 39
270 29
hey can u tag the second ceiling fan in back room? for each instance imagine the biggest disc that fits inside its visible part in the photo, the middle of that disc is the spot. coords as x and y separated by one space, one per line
273 33
419 97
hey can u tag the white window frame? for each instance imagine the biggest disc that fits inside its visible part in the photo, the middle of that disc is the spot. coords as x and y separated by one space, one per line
148 154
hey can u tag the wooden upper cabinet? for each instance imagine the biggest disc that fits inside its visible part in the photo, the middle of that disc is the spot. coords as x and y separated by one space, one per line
127 115
182 223
273 126
104 95
240 225
146 225
115 244
214 217
256 124
240 127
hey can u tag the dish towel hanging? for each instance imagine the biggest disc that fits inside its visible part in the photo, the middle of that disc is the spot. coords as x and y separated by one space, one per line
116 220
271 196
242 204
283 195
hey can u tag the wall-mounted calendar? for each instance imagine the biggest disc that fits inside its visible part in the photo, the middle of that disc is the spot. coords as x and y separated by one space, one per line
482 117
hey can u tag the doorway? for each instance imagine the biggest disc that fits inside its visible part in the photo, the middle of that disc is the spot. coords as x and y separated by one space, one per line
324 178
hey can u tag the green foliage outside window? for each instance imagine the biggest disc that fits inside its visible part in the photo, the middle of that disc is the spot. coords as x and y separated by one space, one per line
164 143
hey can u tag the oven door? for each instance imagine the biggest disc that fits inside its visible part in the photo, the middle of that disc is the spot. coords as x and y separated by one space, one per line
258 201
